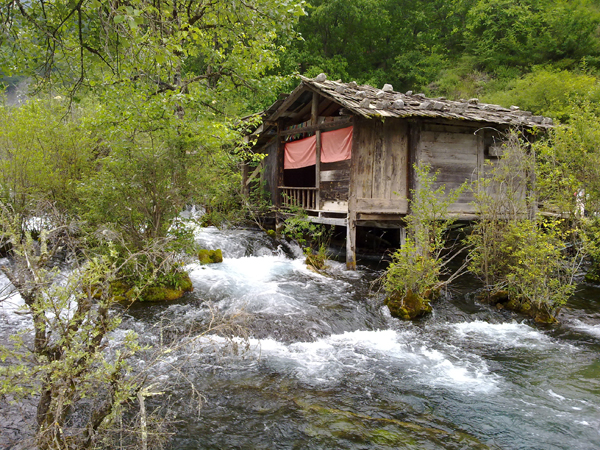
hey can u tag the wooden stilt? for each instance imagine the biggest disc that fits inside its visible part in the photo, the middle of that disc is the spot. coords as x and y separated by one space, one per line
314 118
351 241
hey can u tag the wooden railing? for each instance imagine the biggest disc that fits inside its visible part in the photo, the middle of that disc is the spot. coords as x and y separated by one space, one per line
299 197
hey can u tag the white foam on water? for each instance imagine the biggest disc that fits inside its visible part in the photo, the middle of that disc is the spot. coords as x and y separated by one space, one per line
555 395
233 243
262 284
249 283
359 352
10 304
593 330
502 334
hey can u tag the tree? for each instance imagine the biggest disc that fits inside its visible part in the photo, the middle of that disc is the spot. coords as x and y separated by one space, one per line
521 256
43 154
168 46
71 322
413 278
528 32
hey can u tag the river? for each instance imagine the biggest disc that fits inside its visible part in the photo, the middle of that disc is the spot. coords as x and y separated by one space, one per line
320 364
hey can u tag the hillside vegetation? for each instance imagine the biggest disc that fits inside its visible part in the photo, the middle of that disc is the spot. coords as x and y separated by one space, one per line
540 54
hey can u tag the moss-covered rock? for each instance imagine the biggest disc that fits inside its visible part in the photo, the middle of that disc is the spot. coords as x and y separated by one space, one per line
160 294
315 261
502 300
409 306
210 256
180 284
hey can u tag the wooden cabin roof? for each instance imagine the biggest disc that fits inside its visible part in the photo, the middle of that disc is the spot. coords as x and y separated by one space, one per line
370 102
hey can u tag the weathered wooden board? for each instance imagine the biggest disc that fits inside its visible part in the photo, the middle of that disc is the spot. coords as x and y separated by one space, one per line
396 158
335 175
455 156
334 191
335 206
337 171
381 159
362 148
454 128
382 205
378 182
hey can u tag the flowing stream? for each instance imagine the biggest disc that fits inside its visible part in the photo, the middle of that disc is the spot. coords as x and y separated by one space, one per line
320 364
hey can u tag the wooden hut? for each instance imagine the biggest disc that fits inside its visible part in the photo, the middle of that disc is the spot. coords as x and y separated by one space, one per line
345 153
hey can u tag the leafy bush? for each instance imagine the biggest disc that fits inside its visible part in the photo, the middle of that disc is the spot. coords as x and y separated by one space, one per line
539 273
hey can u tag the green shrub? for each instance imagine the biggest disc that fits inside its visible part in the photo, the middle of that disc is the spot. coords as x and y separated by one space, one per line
413 276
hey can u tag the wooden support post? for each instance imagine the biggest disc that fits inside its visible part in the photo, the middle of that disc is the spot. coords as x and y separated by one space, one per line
352 201
314 118
318 173
414 133
280 163
351 241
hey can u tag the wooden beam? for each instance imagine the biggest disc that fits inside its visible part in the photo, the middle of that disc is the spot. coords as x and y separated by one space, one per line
326 126
379 217
288 102
381 205
253 175
351 225
329 220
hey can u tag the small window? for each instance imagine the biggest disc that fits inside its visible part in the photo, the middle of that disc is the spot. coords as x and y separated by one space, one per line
494 151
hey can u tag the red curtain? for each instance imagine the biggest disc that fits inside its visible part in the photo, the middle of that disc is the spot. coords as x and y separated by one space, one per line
301 153
335 146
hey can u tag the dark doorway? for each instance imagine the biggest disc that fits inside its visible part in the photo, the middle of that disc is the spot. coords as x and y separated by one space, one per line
303 177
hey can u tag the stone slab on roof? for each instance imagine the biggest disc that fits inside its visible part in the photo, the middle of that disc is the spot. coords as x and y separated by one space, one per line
370 102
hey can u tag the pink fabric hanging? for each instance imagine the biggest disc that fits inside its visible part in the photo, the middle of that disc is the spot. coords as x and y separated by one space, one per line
336 145
301 153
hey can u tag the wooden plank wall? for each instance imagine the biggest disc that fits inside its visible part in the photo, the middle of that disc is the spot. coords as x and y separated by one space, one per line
457 153
270 171
334 186
380 167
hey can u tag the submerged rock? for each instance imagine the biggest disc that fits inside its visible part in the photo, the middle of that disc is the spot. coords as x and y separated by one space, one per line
210 256
409 306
